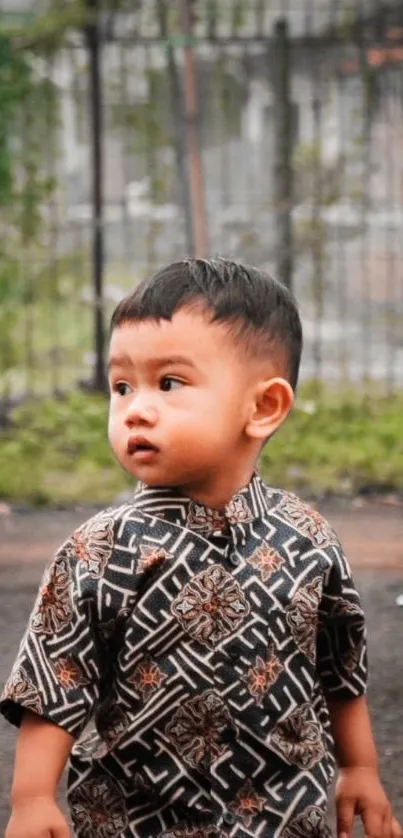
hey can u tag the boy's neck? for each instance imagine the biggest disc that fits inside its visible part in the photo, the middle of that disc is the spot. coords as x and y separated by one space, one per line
218 493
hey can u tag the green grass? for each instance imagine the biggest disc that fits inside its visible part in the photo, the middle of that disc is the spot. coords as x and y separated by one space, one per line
56 452
46 344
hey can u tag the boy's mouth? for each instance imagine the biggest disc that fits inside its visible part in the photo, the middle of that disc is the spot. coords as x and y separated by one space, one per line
140 448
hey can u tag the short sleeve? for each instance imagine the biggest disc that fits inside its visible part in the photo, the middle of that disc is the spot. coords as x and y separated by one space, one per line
342 636
57 672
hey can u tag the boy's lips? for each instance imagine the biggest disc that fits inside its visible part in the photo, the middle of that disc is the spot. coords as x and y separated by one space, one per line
141 449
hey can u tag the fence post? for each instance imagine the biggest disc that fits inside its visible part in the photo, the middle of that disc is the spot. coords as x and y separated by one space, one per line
95 94
179 128
283 141
192 124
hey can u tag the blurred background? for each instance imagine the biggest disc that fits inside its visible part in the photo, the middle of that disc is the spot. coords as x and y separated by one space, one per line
135 133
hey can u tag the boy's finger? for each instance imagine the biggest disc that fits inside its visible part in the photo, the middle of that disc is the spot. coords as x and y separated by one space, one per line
387 831
345 818
373 823
61 831
396 830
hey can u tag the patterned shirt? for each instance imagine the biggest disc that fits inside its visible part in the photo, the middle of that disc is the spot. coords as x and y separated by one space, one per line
190 653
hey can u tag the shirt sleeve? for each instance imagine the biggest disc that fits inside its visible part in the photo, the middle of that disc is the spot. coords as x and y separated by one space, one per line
342 635
58 672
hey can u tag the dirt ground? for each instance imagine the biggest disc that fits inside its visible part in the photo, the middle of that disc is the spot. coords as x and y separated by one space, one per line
372 534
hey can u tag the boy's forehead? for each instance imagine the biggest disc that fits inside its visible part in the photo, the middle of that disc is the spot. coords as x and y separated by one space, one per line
189 334
185 328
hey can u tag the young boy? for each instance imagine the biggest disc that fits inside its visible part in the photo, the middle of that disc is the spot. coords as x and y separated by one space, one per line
195 651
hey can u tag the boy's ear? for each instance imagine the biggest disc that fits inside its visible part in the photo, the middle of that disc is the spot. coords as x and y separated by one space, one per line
273 401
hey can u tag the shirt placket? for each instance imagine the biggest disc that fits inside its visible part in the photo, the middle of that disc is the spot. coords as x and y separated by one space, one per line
231 559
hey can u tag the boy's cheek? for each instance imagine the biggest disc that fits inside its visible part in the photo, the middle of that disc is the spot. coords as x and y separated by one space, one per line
113 434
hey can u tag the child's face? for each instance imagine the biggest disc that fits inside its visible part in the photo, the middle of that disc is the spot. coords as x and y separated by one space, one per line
181 394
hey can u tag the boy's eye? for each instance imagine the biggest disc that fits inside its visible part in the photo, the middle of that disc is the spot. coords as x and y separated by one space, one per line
122 388
167 384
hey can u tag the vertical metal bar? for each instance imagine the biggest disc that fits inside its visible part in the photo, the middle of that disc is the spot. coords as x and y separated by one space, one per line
341 262
283 170
260 8
53 265
95 87
151 169
366 164
390 236
81 260
309 17
128 243
212 16
192 122
26 264
399 209
226 103
179 129
317 233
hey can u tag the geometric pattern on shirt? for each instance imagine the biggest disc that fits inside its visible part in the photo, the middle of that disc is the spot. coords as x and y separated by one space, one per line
191 663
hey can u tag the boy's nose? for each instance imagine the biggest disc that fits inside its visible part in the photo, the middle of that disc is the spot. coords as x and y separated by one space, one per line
141 412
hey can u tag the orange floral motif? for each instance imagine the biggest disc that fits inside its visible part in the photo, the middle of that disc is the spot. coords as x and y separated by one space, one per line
53 609
152 556
147 678
206 520
197 726
266 560
263 675
299 738
211 606
97 808
247 803
69 674
92 544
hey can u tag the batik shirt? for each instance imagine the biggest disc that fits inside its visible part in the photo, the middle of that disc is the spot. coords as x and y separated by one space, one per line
190 654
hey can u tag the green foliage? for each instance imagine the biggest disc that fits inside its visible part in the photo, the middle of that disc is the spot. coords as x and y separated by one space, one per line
46 30
57 452
28 115
339 443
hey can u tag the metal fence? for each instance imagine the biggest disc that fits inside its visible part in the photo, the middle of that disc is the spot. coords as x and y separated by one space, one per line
210 128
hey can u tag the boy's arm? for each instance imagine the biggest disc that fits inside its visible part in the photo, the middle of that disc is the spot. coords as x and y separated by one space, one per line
342 667
352 733
42 751
41 754
359 790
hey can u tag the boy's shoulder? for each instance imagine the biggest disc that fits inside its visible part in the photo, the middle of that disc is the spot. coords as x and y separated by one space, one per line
94 541
302 517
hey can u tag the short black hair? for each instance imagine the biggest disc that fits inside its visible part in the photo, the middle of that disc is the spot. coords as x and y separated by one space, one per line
259 311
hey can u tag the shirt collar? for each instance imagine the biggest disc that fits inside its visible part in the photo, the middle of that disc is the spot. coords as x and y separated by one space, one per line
244 507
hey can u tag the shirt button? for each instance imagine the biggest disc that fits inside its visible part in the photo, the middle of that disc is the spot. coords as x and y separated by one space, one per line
229 818
234 559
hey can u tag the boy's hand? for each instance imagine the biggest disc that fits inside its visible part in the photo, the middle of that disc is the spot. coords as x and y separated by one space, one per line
37 817
359 792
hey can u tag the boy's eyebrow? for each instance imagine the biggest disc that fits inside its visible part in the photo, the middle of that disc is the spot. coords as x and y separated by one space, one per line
118 361
125 361
173 359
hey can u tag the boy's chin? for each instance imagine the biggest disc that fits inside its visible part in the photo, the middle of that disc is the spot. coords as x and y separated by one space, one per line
151 478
